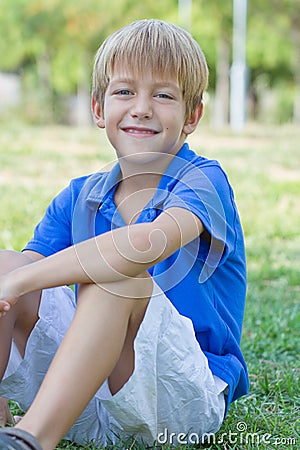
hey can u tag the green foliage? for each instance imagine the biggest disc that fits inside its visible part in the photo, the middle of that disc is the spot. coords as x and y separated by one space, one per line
269 46
62 30
52 44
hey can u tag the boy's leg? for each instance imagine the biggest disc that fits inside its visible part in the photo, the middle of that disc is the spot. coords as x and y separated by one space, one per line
98 345
17 324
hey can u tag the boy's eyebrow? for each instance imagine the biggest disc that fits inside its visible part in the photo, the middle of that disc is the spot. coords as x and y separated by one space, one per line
162 83
121 80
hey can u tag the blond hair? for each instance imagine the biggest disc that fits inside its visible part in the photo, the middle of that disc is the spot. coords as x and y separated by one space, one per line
156 46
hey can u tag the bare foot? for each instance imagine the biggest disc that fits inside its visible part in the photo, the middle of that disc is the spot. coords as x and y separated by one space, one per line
5 415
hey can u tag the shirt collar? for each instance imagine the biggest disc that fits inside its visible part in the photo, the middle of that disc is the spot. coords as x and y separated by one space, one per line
105 183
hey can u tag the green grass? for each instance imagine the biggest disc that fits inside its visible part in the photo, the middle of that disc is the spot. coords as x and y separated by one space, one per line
263 165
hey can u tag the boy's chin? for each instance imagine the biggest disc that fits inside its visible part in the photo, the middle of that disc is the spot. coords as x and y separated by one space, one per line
146 158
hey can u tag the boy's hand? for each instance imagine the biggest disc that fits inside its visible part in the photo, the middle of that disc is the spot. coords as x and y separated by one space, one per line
8 294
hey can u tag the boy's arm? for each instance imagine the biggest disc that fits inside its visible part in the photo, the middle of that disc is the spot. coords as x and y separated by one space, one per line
112 256
34 256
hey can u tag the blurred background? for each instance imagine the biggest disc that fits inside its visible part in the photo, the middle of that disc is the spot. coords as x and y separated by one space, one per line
47 49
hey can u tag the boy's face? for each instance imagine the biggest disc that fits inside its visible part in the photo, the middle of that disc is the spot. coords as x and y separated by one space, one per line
144 115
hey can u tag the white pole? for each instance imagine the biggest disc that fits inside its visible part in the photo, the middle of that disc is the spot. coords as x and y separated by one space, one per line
185 14
238 74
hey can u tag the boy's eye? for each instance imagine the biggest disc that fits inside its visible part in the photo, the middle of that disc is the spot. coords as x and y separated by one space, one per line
164 95
123 92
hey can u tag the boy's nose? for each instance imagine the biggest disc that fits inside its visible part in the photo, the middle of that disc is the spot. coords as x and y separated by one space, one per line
141 108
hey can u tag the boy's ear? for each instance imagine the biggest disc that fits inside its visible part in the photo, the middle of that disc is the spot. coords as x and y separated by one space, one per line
192 122
97 112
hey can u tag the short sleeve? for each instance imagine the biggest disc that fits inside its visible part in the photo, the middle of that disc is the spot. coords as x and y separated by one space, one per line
206 192
54 232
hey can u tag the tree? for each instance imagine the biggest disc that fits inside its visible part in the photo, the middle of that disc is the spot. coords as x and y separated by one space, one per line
294 18
52 43
212 27
274 44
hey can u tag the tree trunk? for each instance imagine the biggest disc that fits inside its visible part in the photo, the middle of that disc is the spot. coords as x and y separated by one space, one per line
45 88
221 101
83 101
295 35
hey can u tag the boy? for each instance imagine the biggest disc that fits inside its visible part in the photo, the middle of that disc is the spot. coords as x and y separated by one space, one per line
156 250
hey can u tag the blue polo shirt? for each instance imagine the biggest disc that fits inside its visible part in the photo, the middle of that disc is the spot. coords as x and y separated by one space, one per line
205 280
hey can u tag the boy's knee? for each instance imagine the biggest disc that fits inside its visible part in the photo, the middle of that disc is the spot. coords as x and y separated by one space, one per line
130 288
10 260
135 288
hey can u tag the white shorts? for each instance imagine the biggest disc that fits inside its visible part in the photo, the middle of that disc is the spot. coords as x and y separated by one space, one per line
170 396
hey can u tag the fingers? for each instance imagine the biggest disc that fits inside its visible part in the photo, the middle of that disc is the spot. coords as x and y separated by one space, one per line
4 308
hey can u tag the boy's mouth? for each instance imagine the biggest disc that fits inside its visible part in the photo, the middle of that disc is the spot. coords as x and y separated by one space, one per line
139 131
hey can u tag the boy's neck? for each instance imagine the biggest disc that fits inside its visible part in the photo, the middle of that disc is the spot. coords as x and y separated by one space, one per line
140 179
143 173
131 183
131 196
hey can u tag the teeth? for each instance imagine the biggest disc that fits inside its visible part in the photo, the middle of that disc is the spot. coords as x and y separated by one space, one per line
132 130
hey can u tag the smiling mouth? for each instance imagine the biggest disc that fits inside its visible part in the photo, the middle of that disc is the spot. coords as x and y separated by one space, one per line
139 131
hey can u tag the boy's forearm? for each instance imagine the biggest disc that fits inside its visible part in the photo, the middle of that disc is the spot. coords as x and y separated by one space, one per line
109 257
113 256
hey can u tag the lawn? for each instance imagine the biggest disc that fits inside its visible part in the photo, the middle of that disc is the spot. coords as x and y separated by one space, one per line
263 165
